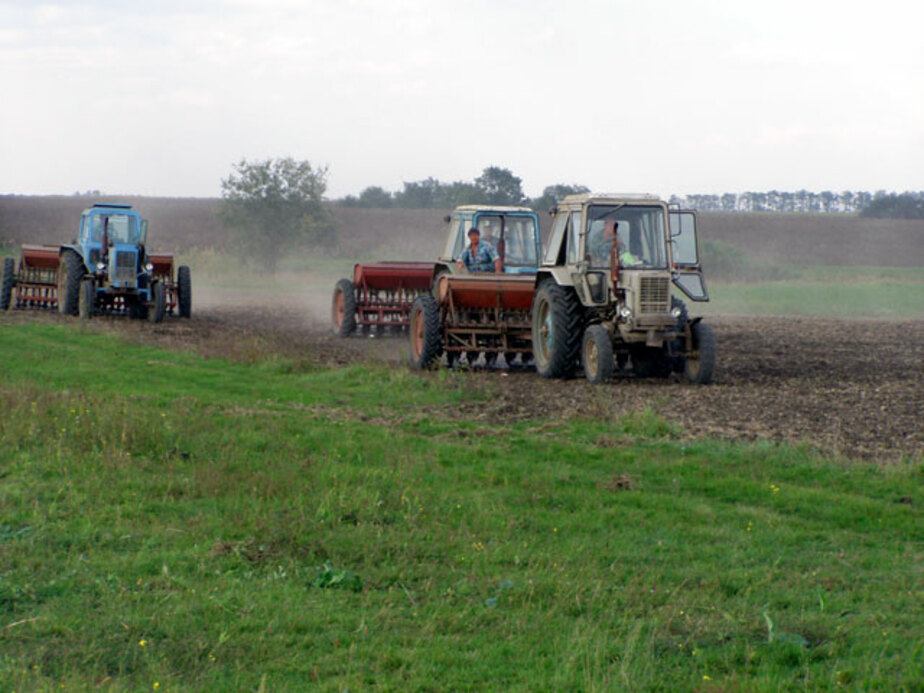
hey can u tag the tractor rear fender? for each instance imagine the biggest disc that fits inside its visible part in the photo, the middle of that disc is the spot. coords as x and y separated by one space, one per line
76 249
561 275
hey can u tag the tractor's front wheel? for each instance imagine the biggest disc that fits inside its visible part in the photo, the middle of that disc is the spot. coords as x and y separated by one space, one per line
556 330
424 331
597 354
700 364
70 273
184 291
343 308
86 299
6 283
159 309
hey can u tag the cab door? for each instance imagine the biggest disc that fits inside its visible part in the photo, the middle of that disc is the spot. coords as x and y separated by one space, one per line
687 270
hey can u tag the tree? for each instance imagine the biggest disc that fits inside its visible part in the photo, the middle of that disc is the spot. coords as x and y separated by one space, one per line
459 193
908 205
274 204
500 186
374 196
419 195
553 194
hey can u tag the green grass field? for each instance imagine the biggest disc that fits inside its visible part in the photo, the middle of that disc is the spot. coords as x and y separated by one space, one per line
174 523
835 292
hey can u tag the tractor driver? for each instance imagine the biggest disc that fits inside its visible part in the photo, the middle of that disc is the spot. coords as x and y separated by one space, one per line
599 243
479 256
626 258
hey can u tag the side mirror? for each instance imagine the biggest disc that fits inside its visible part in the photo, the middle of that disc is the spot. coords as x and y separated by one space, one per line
447 218
553 211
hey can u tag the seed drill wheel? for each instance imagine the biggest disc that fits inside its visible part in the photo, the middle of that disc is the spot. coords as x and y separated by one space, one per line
343 309
6 283
184 291
426 340
556 330
86 299
159 309
597 354
700 364
70 272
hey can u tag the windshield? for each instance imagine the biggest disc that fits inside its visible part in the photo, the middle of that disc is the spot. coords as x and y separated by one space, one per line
520 242
639 231
120 228
519 237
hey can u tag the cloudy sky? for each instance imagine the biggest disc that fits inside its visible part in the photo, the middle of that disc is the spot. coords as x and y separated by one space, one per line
663 96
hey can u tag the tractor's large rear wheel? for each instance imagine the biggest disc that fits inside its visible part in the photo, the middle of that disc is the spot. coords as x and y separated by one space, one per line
597 354
86 299
6 283
426 340
70 273
184 291
343 308
556 330
159 309
700 364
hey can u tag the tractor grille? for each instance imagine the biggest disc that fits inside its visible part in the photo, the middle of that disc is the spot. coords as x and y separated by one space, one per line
125 268
655 295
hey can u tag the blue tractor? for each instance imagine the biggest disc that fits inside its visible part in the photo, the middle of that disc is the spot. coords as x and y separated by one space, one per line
107 270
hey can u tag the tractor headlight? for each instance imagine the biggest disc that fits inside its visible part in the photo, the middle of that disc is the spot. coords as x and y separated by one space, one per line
625 312
100 266
675 313
149 267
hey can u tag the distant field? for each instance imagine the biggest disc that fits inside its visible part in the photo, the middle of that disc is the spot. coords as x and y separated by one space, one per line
837 292
176 523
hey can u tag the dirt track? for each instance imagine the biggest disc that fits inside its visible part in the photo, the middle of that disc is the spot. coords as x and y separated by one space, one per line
851 388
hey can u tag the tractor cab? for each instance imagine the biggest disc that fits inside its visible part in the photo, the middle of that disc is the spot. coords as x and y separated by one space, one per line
111 239
513 231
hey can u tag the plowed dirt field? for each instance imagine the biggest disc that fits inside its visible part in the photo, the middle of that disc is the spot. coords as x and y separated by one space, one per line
850 388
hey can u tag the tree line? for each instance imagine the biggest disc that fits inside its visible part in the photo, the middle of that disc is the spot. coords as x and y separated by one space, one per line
498 185
495 186
907 205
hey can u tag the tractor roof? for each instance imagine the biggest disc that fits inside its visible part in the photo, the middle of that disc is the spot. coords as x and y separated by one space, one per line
112 205
493 208
604 198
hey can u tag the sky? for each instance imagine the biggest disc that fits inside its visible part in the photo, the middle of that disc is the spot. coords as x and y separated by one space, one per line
661 96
